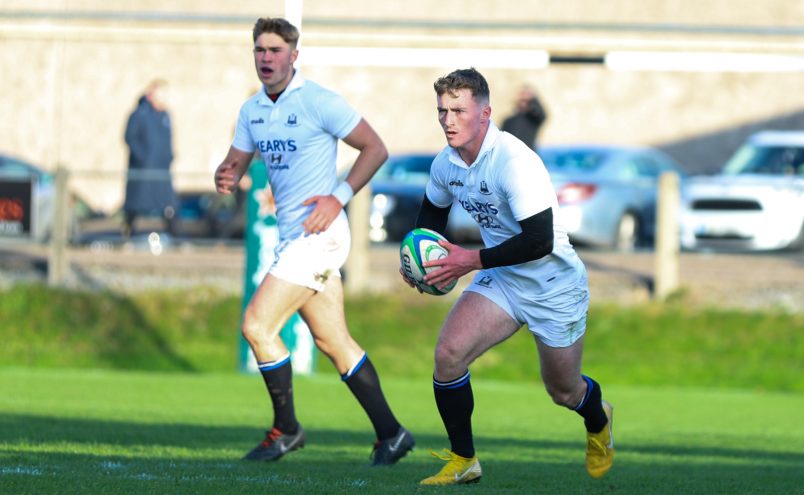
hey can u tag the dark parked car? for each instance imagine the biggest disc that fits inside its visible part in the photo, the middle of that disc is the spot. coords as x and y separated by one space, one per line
207 214
203 215
27 201
607 194
397 190
27 194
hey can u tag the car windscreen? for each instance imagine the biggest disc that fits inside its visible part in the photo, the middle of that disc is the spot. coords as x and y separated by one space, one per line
573 161
10 168
412 169
767 160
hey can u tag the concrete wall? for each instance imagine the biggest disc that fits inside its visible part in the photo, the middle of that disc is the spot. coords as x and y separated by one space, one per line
71 72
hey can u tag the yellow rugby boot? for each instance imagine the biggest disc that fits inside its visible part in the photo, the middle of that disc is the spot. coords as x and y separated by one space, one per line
457 470
600 447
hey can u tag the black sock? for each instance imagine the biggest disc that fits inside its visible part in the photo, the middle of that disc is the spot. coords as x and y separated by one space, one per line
278 377
591 407
455 403
364 383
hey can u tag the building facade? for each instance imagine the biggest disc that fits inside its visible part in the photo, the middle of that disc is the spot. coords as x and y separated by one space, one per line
692 78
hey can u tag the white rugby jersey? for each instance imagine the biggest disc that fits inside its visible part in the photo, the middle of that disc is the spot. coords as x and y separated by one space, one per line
507 182
297 137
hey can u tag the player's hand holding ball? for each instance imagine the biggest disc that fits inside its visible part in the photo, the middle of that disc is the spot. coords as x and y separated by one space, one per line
420 246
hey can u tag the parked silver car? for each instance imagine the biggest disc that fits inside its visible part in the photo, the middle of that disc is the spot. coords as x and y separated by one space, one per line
756 203
607 194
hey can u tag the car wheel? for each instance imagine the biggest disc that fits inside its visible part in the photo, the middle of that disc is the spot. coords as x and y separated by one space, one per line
627 234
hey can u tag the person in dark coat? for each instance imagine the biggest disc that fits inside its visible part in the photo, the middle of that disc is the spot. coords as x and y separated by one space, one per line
149 188
527 119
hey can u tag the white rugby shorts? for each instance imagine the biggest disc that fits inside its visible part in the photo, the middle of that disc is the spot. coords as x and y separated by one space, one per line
558 320
310 259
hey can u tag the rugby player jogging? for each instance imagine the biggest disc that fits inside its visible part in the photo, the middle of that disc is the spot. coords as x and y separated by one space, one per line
529 274
295 125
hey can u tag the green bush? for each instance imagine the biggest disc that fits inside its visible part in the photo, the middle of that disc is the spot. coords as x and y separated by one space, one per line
650 344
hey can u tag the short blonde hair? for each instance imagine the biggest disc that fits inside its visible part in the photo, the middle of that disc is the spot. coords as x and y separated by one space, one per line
278 26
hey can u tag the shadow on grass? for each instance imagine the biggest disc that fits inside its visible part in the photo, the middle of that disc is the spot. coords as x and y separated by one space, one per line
24 437
30 429
148 335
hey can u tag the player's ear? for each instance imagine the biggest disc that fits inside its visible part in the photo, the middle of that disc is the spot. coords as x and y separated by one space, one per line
485 114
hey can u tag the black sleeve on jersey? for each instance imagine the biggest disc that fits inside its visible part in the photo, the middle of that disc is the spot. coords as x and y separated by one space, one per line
534 242
432 217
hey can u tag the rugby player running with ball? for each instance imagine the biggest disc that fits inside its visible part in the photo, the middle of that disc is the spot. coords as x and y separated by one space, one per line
529 274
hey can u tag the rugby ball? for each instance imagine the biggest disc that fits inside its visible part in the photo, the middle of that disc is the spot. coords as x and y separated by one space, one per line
418 246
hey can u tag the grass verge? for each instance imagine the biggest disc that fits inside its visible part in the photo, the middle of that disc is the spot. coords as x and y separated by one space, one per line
652 344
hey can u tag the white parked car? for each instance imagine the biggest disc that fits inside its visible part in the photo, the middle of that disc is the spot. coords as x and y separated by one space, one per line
755 204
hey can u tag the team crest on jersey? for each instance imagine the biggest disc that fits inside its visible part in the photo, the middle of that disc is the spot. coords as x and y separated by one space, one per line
292 121
484 188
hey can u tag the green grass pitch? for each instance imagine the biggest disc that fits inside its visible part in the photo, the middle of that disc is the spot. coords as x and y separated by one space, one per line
110 432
